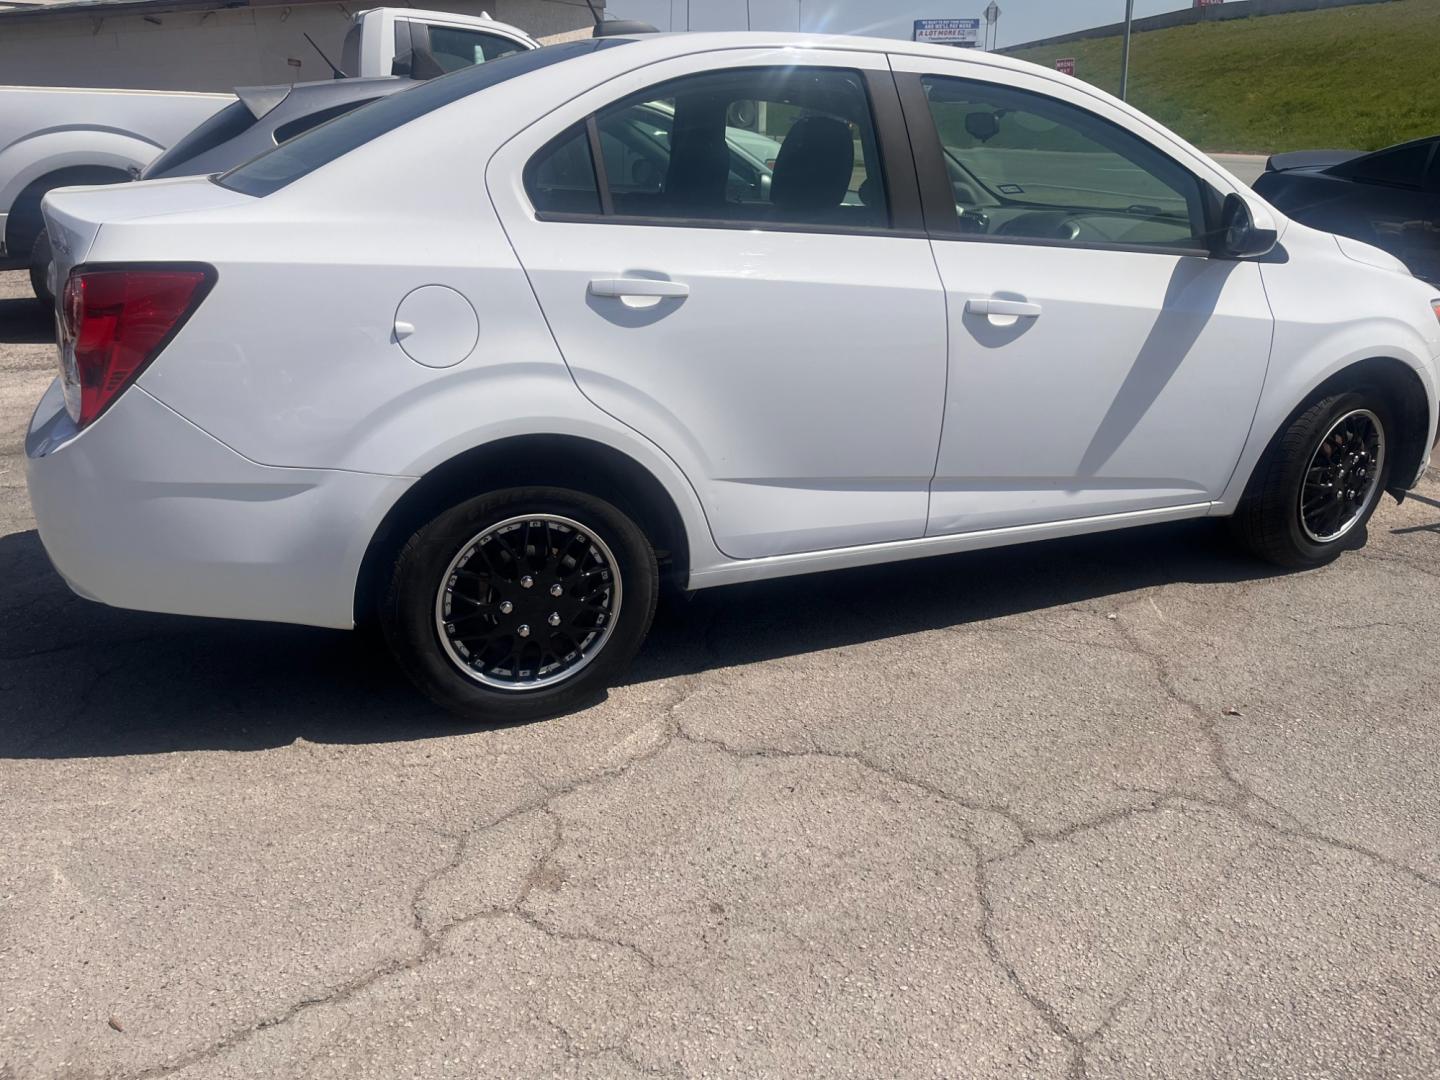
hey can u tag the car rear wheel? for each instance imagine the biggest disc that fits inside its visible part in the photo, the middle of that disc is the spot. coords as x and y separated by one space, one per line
40 268
1318 484
521 604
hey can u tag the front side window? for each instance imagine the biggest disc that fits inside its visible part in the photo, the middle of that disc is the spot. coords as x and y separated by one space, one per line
1027 166
778 146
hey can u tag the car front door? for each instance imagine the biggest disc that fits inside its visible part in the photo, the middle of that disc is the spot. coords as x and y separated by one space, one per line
777 329
1101 362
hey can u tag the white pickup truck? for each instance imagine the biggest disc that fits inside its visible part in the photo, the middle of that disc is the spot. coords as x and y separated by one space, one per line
58 137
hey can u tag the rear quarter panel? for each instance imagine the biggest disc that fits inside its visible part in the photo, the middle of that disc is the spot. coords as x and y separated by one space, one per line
293 357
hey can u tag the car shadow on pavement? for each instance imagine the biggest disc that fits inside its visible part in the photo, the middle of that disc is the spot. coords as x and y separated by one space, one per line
25 321
79 679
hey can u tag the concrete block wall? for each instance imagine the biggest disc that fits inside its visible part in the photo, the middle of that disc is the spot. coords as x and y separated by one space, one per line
220 48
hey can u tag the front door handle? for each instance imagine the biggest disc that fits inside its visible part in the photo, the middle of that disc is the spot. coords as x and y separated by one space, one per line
649 287
1021 309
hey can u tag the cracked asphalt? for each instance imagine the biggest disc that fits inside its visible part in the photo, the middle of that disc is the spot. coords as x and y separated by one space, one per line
1117 807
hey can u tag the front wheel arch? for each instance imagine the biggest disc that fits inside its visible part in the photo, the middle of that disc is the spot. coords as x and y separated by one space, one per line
541 460
1409 408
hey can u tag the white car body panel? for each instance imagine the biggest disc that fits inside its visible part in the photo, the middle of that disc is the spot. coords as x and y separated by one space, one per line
291 366
192 527
1159 359
804 420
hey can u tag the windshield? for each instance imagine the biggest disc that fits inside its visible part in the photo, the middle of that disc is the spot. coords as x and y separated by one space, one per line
304 154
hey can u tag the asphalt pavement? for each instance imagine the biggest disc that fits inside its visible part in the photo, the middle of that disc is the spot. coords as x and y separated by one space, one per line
1124 806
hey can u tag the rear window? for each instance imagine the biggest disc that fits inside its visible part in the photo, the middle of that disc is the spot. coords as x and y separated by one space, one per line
1400 166
286 132
302 155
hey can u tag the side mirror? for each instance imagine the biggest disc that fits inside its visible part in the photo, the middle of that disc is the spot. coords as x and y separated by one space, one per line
1240 236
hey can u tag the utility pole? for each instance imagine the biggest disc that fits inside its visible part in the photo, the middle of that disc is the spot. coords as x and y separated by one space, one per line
1125 49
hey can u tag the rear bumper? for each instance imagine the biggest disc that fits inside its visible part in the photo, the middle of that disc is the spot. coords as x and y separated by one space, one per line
144 510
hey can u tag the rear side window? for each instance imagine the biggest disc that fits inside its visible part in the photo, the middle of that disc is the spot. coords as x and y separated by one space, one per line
561 178
1402 166
455 48
790 147
304 154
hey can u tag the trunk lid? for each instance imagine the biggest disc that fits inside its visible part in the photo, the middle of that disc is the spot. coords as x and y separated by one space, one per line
74 216
1310 159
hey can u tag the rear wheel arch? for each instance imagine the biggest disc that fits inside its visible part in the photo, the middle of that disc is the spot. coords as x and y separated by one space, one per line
24 222
542 460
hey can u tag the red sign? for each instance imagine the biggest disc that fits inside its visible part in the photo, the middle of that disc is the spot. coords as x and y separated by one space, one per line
1207 3
1065 65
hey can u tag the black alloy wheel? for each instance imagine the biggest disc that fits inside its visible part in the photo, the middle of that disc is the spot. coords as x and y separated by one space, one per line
521 604
1318 483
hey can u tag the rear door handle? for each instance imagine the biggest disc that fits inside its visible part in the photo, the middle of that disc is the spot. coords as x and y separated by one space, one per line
624 287
1022 309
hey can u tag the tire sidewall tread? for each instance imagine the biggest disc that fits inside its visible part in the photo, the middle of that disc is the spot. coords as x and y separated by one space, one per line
408 619
1267 520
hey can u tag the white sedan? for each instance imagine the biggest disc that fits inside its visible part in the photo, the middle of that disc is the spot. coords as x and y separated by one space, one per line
459 362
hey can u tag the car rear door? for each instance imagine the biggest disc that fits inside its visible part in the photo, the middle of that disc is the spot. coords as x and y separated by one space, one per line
1101 362
779 331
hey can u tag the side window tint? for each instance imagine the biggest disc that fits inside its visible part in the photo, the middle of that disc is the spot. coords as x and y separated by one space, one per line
785 146
636 148
1403 166
455 48
560 179
1025 165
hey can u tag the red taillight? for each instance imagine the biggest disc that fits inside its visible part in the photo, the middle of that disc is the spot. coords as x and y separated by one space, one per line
113 323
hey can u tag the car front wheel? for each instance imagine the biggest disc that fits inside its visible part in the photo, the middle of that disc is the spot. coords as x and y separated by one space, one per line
521 604
1318 484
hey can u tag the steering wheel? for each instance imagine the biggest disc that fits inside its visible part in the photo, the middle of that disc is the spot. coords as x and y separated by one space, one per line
1044 224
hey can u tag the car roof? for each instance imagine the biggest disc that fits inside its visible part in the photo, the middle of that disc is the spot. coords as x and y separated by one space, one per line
650 48
681 44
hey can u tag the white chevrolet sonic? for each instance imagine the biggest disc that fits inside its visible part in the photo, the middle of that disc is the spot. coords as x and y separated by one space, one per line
488 359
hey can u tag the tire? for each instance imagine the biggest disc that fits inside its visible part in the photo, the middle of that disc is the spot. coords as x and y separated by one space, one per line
1271 519
477 640
40 268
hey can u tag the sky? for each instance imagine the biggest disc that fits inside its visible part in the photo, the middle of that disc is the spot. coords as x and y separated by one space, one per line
1020 20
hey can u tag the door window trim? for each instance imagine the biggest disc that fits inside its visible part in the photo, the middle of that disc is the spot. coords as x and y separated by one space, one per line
892 144
941 221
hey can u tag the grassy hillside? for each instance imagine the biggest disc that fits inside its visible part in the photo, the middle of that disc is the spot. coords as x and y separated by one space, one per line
1361 77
